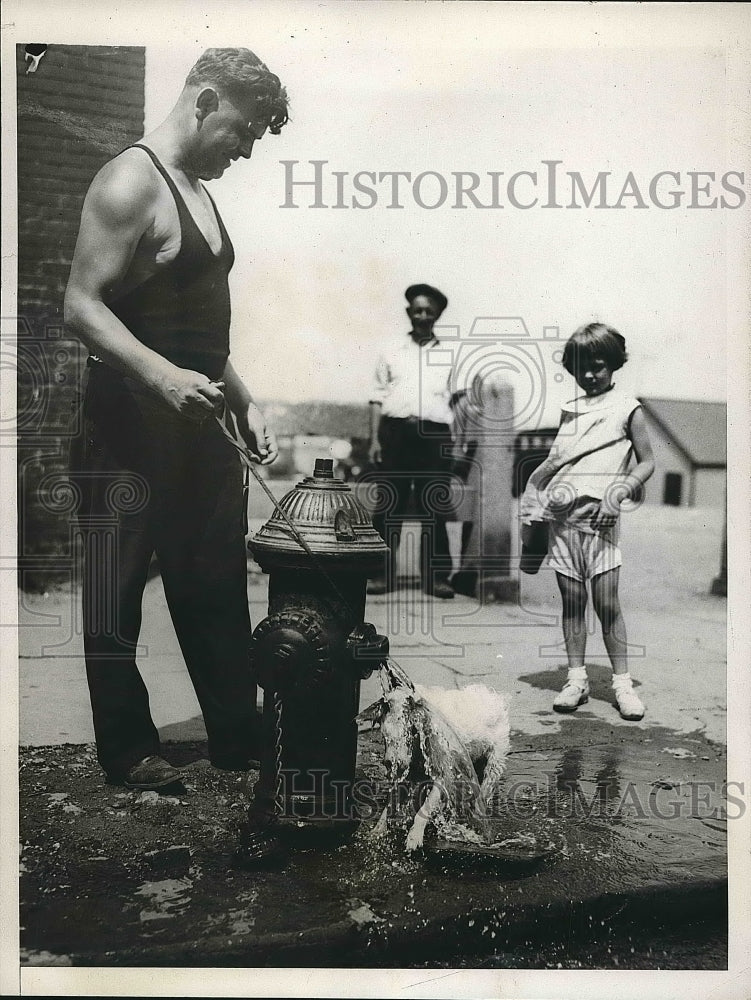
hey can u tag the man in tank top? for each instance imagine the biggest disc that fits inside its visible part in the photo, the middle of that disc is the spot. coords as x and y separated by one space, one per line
148 295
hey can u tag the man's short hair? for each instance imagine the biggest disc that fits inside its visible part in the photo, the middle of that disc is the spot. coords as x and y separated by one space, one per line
239 73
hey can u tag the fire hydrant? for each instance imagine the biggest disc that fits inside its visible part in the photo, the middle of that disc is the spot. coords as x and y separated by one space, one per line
309 655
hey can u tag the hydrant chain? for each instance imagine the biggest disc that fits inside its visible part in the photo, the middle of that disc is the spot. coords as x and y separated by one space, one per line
278 800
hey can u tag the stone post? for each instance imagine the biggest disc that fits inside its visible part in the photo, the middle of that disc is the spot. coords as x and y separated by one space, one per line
485 423
719 586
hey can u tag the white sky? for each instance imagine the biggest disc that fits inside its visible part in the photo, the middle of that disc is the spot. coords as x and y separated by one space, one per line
446 87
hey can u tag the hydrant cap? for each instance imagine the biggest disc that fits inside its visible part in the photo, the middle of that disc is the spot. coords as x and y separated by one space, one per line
335 526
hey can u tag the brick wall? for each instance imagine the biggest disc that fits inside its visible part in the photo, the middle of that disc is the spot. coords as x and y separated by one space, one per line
81 106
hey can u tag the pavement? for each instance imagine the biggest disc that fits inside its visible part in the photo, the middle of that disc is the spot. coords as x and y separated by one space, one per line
629 819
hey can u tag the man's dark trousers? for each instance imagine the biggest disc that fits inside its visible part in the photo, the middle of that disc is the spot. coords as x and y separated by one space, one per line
149 480
415 455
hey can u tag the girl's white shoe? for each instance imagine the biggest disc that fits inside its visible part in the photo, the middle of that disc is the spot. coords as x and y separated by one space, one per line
629 704
574 693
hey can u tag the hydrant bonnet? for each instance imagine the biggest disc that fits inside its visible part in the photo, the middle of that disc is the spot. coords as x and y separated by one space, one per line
334 524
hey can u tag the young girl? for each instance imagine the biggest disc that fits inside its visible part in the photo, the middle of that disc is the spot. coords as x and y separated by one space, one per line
578 490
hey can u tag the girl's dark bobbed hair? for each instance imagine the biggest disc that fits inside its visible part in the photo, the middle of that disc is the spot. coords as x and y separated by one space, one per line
595 340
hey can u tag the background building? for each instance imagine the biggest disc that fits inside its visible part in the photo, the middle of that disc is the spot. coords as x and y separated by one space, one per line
689 440
79 107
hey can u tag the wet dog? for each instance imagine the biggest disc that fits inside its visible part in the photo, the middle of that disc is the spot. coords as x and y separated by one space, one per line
455 742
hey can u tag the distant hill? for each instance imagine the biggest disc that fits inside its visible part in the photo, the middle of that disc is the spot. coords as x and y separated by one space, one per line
338 420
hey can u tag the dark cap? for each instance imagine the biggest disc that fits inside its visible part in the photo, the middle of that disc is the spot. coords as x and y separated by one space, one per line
432 293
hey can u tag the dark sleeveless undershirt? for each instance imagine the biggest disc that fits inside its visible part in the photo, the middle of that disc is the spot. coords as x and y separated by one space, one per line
183 310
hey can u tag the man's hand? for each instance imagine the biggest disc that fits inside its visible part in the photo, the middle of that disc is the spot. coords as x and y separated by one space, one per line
259 439
191 394
374 453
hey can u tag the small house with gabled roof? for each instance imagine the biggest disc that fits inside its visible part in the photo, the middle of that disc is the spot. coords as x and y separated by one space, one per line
689 440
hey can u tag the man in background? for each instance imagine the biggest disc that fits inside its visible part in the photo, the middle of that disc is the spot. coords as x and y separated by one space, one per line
410 443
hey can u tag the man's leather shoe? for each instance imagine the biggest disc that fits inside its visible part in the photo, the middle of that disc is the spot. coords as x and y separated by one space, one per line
441 589
150 774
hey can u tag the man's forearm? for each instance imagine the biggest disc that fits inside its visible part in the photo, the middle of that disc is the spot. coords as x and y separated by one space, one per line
236 392
375 420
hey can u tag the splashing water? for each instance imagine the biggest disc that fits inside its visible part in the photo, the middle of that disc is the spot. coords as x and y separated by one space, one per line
457 739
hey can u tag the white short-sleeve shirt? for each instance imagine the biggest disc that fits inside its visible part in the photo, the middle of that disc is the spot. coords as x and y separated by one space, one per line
408 385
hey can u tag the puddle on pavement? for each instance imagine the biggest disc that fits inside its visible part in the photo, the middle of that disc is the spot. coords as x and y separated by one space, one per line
609 802
166 898
239 919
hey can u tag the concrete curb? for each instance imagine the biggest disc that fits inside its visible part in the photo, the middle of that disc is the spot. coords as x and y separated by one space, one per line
484 931
478 932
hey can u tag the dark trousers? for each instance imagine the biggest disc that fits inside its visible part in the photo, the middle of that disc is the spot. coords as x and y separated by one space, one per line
150 481
415 459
